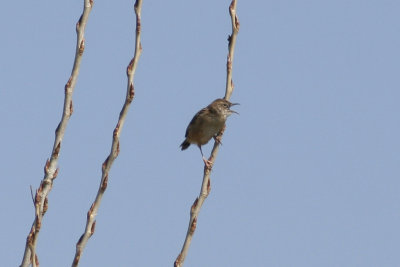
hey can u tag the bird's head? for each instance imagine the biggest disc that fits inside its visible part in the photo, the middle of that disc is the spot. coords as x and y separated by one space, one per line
223 106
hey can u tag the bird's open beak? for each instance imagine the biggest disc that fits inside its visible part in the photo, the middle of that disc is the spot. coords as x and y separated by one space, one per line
234 104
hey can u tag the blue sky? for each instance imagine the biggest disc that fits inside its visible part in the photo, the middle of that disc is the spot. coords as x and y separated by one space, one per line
308 173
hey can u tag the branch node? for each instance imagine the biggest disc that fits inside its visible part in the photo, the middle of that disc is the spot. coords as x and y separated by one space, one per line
130 66
116 130
237 23
229 64
68 85
29 239
58 128
38 223
103 167
77 244
104 183
89 213
193 226
78 24
56 151
45 205
194 206
117 150
46 167
82 47
55 174
92 228
71 108
231 7
131 92
138 25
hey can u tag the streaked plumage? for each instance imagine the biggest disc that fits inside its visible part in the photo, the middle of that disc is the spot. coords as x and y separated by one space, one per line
207 123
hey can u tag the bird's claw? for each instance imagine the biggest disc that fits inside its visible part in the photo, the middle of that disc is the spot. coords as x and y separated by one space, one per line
208 163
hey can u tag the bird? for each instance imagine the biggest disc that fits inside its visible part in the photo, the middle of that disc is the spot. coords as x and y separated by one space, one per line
207 124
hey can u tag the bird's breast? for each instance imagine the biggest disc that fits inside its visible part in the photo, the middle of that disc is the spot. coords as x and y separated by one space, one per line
203 131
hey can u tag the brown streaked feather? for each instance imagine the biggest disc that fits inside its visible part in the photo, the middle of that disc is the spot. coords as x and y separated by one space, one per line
193 121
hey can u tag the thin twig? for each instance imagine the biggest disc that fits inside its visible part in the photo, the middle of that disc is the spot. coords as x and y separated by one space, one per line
91 215
50 169
33 199
206 184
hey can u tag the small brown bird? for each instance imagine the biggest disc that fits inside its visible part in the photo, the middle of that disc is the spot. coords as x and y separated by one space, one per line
207 123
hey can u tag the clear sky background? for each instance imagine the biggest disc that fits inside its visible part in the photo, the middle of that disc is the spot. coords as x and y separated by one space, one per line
308 173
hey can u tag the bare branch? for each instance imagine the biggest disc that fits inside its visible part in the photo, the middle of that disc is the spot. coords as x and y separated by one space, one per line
50 169
106 166
231 48
206 184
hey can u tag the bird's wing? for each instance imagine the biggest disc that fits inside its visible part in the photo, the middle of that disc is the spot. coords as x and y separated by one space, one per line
193 121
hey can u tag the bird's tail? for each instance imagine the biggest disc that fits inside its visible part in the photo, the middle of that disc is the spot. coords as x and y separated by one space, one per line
185 145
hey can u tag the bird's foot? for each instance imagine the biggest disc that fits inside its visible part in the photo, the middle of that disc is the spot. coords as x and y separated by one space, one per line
208 163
